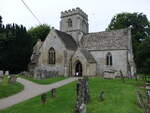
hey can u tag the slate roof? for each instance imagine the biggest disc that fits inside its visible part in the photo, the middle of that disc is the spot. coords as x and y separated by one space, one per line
67 40
107 40
88 55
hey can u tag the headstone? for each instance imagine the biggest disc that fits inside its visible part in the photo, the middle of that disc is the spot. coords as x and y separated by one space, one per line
101 96
122 77
1 73
53 92
12 79
86 90
148 100
6 72
82 95
140 99
1 79
82 108
78 88
43 98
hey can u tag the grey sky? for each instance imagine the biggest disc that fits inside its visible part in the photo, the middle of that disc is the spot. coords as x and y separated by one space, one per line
100 12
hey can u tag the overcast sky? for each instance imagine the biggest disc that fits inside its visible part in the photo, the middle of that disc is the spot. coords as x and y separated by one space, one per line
100 12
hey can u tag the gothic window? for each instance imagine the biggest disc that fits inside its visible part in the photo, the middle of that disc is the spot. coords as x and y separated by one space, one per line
51 54
69 23
109 59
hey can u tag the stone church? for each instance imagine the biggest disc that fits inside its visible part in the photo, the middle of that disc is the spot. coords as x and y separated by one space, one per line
73 51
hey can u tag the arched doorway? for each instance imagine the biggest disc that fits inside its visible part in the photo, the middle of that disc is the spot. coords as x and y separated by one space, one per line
78 69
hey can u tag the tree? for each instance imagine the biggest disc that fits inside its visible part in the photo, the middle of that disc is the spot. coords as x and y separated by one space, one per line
15 48
0 22
39 32
143 57
140 28
1 25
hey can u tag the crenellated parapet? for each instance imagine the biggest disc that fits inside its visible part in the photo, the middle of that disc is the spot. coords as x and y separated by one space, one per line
74 11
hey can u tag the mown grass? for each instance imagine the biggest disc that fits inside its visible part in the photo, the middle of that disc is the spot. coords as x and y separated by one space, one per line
10 89
119 98
44 81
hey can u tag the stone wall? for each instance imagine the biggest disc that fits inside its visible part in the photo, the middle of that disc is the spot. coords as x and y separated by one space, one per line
119 59
62 54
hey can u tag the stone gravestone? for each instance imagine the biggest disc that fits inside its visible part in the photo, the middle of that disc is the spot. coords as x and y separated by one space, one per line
1 76
1 73
12 79
82 95
122 77
43 98
86 90
140 99
53 92
80 99
148 100
6 72
101 96
82 108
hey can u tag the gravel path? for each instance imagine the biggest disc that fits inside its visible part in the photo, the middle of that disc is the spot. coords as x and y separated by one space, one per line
31 90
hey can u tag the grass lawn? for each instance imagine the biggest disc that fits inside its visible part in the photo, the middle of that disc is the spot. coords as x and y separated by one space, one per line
10 89
44 81
119 98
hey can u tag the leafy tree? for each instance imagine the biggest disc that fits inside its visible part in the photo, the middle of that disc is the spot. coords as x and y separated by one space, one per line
15 48
16 45
0 22
140 28
138 21
39 32
143 57
1 25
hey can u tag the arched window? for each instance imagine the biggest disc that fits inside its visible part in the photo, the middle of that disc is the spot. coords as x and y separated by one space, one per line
69 23
51 54
109 59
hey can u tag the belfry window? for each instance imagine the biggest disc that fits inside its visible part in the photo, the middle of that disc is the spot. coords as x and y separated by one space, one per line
69 23
51 54
84 26
109 59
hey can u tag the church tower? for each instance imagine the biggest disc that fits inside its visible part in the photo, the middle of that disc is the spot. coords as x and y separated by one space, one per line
75 23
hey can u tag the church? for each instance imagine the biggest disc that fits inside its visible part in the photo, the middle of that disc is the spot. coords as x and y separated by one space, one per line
73 51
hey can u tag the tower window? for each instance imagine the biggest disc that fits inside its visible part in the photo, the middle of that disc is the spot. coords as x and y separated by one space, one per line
109 59
69 23
51 54
84 26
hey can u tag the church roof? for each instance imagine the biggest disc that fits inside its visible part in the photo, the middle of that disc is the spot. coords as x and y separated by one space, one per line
115 39
87 55
67 40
